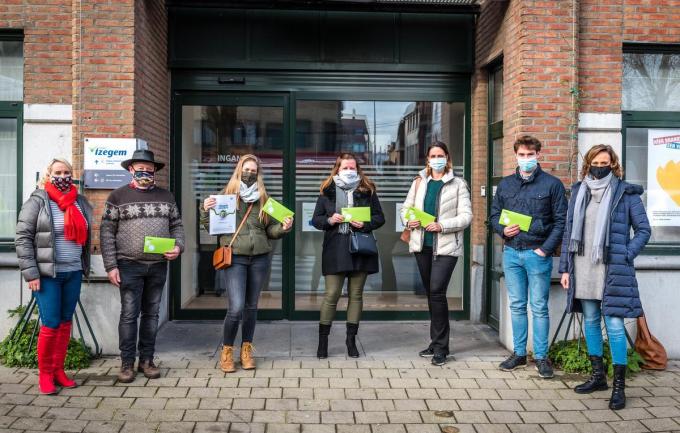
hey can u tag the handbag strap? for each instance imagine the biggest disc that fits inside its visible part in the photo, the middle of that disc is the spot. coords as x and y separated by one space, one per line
245 217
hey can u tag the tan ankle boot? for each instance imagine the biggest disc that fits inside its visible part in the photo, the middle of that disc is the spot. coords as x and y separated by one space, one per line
247 360
227 359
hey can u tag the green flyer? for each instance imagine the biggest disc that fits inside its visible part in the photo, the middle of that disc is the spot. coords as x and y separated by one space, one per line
278 211
425 218
154 245
509 218
362 214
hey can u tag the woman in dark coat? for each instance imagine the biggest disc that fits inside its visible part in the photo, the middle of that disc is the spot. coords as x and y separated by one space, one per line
597 262
347 186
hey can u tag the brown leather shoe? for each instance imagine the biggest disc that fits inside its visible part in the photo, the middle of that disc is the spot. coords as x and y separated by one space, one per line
127 372
227 359
247 360
149 369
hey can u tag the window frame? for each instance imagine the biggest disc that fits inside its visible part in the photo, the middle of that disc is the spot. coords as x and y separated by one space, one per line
649 119
14 110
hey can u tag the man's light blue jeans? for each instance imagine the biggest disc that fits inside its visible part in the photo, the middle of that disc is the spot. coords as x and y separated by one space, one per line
527 278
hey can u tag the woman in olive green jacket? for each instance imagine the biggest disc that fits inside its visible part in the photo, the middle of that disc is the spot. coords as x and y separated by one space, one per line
251 258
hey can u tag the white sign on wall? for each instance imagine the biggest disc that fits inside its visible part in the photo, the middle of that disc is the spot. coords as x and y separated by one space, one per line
102 159
663 177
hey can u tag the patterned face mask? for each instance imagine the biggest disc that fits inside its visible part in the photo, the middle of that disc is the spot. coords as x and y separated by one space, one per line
62 183
144 179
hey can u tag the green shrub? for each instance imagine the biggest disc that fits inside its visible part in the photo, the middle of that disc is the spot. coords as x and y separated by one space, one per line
15 353
571 356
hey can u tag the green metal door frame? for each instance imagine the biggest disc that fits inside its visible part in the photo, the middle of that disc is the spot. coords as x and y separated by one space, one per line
205 86
15 110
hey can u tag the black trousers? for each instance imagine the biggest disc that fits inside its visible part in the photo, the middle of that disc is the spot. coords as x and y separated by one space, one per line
436 275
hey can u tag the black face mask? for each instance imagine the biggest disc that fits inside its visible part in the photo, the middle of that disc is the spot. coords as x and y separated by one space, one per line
600 172
248 178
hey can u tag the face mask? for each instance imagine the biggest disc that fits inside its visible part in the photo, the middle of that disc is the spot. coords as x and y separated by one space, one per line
437 164
527 165
348 176
62 183
144 179
248 178
600 172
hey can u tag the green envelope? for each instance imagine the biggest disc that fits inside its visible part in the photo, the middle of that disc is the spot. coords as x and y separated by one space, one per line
509 218
362 214
278 211
425 218
154 245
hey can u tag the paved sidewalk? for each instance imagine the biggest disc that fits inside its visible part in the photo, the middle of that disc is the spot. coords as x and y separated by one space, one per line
389 390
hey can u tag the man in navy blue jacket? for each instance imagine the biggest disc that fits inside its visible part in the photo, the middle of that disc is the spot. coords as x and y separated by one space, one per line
527 255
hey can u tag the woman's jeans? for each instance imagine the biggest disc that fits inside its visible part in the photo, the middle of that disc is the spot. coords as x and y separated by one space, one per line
436 274
355 288
58 297
616 332
141 289
244 281
527 278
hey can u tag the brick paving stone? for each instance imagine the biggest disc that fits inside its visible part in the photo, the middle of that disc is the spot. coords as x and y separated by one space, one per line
404 417
211 427
63 413
341 428
371 417
503 417
661 424
235 415
317 428
120 403
631 426
471 417
139 427
559 428
337 417
303 417
149 403
283 428
31 424
176 427
166 415
388 428
134 392
492 428
6 421
103 427
536 417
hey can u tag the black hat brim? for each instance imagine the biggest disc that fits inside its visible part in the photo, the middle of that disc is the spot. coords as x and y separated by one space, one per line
128 162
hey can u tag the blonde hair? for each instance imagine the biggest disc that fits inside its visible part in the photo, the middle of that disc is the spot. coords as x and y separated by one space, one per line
48 171
234 184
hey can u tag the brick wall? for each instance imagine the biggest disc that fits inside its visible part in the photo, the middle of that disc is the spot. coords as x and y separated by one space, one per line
152 81
47 47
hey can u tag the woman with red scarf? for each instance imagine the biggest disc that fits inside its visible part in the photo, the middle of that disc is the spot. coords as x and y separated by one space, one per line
53 246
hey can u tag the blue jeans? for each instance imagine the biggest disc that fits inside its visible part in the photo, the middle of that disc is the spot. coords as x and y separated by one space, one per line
527 277
616 333
58 297
244 281
141 288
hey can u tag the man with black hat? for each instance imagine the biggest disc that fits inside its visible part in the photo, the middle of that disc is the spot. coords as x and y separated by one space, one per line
131 213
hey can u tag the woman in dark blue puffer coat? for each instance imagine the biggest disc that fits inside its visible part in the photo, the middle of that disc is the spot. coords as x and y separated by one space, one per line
597 262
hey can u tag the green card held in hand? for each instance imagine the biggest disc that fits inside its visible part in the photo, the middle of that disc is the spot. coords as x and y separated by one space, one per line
425 218
278 211
362 214
509 218
154 245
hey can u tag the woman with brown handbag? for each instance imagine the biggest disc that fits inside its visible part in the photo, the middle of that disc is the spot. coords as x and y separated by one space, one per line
597 262
251 259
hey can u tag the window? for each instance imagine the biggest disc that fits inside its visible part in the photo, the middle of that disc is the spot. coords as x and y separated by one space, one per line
11 95
651 129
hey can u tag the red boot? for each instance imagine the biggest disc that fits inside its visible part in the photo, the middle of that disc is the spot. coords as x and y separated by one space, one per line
60 349
47 339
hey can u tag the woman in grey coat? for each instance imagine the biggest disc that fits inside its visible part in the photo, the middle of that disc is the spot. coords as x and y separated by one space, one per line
53 246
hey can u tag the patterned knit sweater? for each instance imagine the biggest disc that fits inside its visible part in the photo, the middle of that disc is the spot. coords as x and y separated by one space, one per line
131 214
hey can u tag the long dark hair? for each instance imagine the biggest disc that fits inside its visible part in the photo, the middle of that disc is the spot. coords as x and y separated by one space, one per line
365 185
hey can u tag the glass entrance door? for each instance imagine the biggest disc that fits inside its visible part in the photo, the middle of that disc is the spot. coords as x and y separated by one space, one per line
214 132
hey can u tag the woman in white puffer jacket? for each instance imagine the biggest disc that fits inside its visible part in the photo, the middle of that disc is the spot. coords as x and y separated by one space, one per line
437 246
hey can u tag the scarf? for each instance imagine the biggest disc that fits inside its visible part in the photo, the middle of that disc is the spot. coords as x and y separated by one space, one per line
344 197
249 194
75 225
601 240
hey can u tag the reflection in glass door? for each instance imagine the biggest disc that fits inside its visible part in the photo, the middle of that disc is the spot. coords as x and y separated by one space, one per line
390 140
213 137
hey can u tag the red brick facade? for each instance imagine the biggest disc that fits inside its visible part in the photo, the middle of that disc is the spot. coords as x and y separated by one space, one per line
560 58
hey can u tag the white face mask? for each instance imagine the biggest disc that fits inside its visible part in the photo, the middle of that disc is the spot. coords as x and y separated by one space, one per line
437 164
348 176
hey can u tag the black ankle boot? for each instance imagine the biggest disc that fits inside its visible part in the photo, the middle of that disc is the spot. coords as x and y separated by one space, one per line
597 381
618 400
322 351
351 343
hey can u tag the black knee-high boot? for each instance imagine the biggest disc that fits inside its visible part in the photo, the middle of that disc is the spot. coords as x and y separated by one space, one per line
618 399
597 381
322 350
351 343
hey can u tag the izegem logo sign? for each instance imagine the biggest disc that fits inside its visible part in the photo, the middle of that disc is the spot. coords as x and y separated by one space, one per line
102 151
